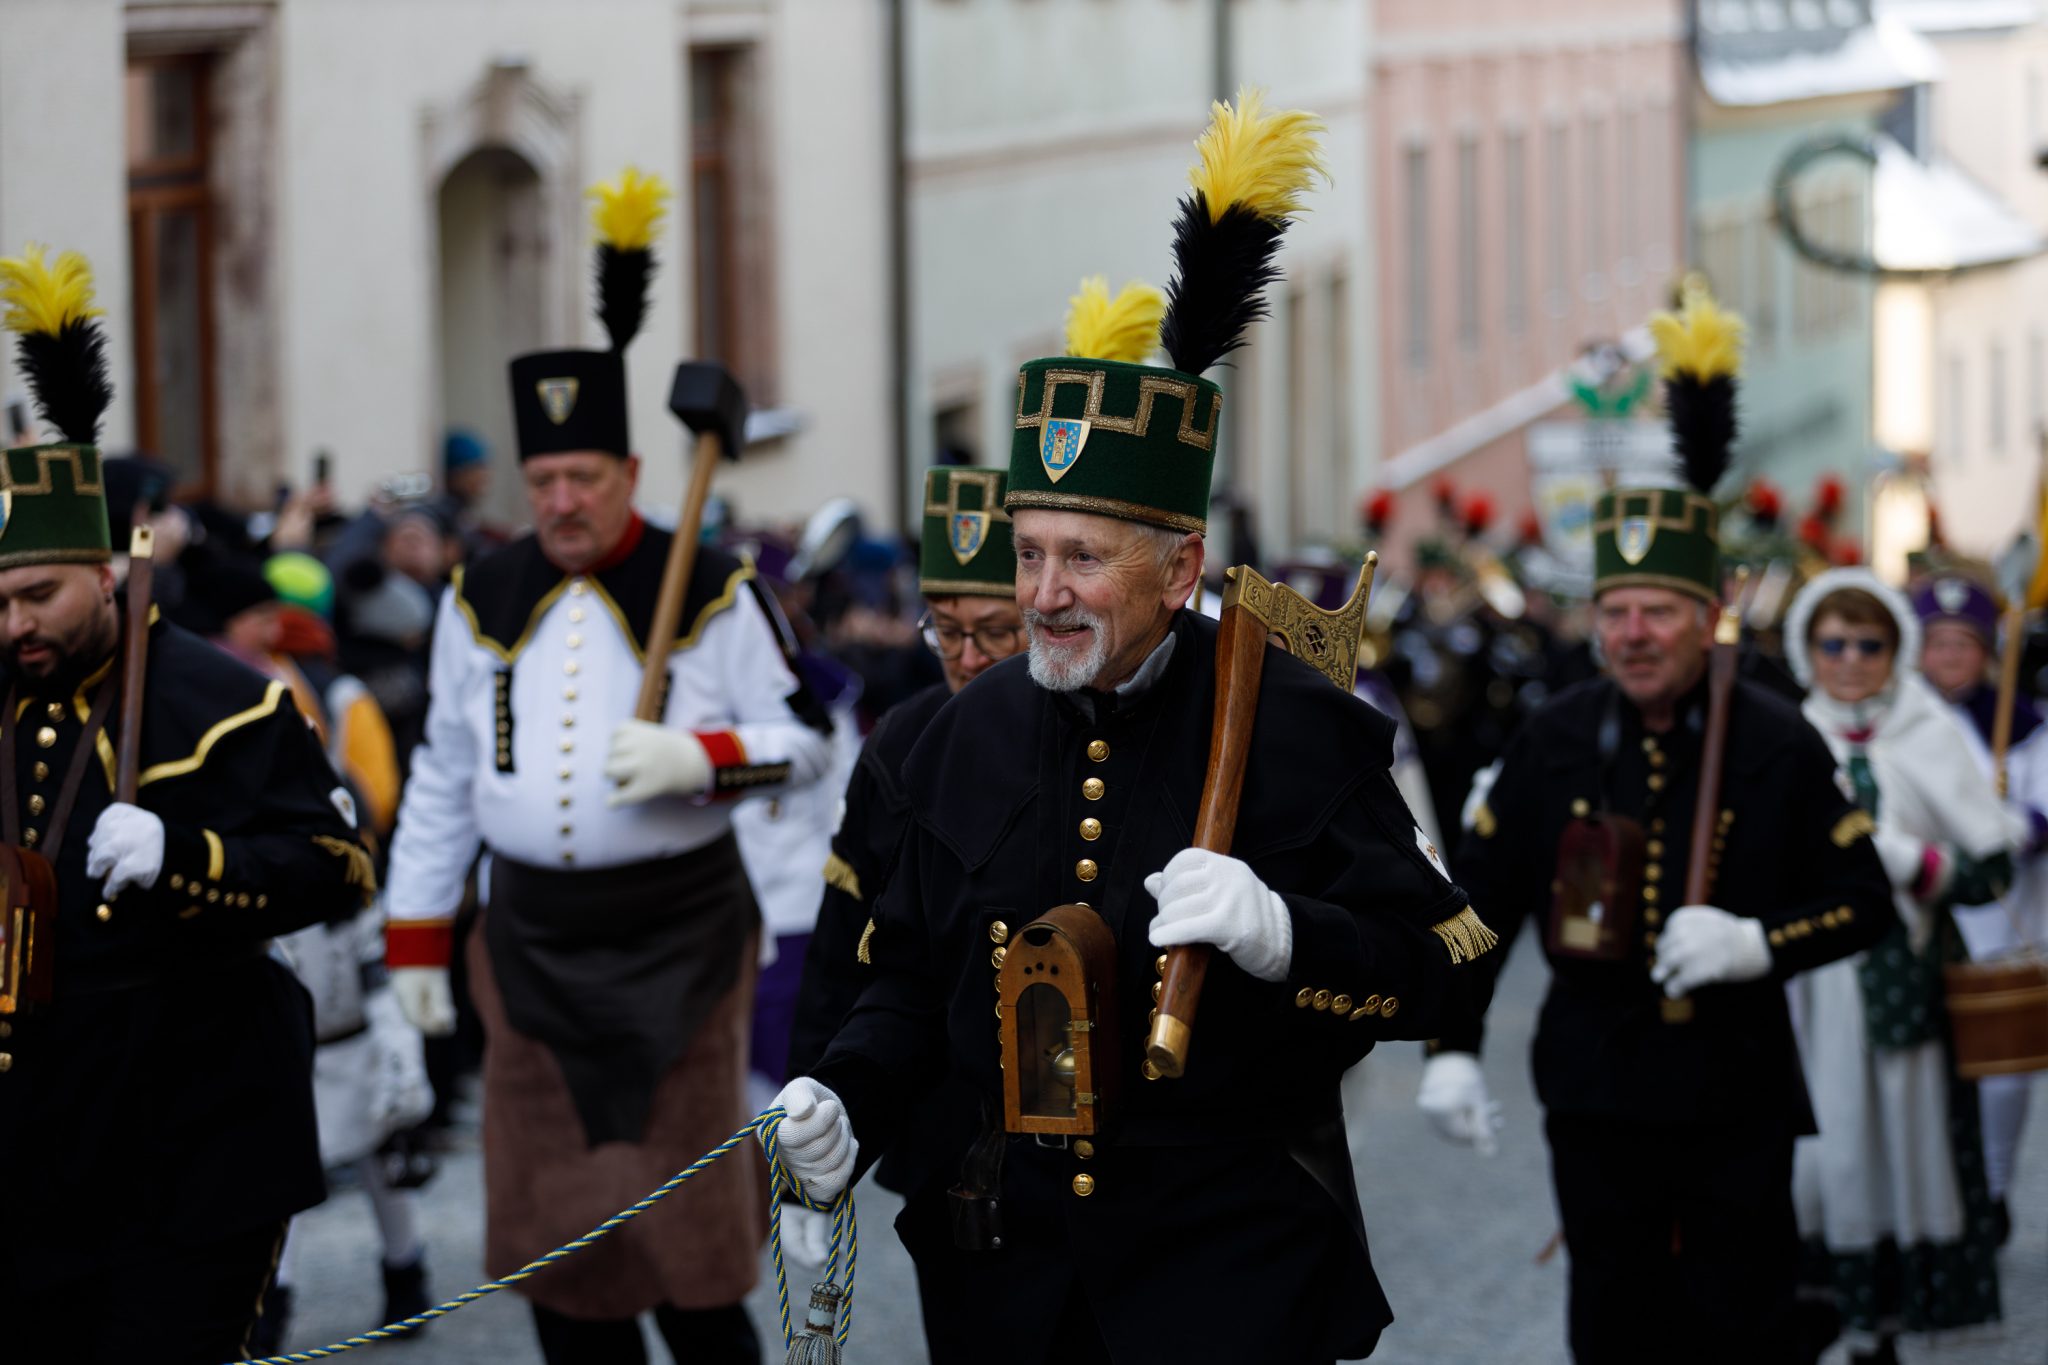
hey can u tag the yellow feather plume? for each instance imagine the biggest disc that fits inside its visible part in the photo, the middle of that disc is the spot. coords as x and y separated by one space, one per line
1122 328
1259 160
1702 339
629 210
43 298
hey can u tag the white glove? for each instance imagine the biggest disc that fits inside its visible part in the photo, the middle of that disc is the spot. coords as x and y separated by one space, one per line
817 1139
126 848
806 1237
1704 944
424 996
649 760
1453 1095
1209 897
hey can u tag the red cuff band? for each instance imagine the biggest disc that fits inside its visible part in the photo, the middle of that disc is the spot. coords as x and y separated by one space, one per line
418 942
1930 873
722 747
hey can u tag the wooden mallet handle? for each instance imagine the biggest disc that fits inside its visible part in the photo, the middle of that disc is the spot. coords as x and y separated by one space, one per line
675 579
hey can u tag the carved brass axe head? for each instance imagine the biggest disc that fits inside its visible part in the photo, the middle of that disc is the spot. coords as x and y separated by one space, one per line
1328 641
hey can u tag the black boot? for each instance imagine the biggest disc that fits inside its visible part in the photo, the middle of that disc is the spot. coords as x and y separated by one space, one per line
405 1292
266 1338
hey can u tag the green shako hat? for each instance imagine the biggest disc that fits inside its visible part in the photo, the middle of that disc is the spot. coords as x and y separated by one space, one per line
1100 431
576 400
53 502
1669 537
967 546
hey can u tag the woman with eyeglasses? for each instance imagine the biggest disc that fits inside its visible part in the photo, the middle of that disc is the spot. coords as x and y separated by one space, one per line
1891 1193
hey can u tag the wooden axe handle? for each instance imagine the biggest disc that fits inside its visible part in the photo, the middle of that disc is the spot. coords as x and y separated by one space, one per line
675 580
2008 688
1240 661
134 662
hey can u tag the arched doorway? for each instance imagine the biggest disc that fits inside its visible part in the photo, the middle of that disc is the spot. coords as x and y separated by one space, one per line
495 258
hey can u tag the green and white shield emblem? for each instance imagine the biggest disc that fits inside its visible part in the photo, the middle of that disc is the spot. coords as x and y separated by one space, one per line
1060 445
558 398
1633 537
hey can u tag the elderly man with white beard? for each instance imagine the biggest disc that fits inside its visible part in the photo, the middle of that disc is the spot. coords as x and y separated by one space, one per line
1071 778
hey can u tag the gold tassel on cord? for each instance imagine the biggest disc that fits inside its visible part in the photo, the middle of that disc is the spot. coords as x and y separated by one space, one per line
362 873
1466 936
1123 328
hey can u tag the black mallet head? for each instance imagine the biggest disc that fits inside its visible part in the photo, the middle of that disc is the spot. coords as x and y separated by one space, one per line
706 397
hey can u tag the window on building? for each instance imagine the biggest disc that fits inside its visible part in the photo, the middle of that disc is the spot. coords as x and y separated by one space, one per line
731 232
956 431
1416 188
2037 386
1596 210
1515 233
171 242
1556 155
1339 390
1468 243
1994 400
1764 257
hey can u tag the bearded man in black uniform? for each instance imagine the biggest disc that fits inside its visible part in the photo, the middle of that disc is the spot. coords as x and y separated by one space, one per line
1664 1054
156 1110
1215 1217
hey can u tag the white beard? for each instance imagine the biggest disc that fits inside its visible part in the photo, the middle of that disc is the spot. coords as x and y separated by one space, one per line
1070 675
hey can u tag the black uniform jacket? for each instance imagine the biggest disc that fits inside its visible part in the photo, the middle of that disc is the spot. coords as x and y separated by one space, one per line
1795 853
864 851
166 1091
1221 1223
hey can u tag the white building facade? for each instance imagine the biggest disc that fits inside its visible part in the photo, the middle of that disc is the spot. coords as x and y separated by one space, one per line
1048 140
1962 347
325 225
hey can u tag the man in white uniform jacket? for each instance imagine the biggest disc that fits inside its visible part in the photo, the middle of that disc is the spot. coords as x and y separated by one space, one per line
613 966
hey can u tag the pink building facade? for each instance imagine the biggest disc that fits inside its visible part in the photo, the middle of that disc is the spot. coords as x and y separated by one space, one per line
1529 184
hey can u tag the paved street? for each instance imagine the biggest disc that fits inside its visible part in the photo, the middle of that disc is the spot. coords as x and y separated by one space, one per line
1456 1239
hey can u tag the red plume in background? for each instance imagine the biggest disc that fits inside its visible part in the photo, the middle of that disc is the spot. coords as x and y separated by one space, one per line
1846 552
1531 528
1477 515
1827 497
1814 532
1377 510
1766 504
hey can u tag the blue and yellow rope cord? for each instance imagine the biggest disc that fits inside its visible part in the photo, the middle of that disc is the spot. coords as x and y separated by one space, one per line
845 1229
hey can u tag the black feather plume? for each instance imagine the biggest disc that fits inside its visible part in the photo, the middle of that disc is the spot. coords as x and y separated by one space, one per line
622 291
1702 426
1221 270
67 371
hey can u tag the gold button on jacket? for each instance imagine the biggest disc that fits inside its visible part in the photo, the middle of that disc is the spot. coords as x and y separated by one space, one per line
1086 869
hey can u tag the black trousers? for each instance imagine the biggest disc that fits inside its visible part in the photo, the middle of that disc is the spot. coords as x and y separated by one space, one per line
160 1302
1683 1243
699 1336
